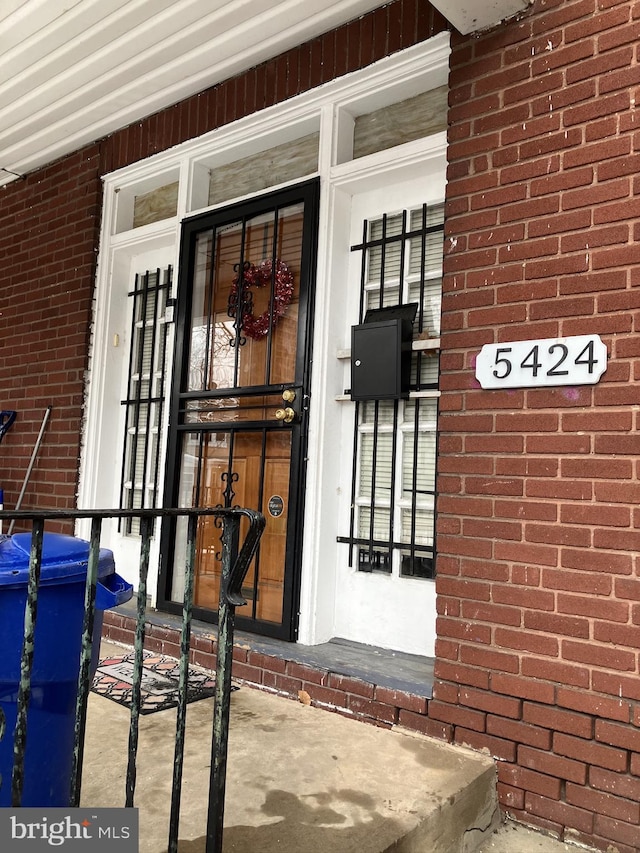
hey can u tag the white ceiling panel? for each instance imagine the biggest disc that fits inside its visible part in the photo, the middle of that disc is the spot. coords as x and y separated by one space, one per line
72 71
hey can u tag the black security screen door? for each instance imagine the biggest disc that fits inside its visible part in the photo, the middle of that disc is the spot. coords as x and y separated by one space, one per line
241 395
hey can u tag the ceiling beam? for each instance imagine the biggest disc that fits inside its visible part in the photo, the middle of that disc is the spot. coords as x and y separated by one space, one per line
472 16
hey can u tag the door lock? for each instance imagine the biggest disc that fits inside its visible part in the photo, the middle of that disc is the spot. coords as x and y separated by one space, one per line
286 415
289 395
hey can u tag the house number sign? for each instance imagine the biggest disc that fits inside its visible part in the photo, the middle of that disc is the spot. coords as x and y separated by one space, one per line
577 360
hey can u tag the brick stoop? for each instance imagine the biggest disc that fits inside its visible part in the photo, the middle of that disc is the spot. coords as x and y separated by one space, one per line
285 674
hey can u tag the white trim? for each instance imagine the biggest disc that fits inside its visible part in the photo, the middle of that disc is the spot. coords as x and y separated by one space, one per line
330 109
329 468
397 77
395 163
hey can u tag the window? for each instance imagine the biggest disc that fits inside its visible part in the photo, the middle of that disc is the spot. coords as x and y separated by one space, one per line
394 473
145 392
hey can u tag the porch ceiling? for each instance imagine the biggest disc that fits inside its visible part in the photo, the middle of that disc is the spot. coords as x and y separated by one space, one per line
72 71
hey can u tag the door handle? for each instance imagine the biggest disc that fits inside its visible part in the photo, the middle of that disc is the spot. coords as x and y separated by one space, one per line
285 415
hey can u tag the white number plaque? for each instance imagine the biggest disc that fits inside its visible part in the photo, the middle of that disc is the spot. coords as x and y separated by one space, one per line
578 360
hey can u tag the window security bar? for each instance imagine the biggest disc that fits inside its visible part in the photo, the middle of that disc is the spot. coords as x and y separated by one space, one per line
144 402
393 473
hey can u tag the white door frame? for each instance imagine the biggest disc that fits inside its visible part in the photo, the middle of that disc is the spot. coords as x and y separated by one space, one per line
327 604
330 110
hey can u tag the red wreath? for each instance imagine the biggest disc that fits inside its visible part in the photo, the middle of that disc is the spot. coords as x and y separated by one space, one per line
261 276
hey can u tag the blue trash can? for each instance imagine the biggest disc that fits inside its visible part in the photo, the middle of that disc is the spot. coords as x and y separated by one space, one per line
56 659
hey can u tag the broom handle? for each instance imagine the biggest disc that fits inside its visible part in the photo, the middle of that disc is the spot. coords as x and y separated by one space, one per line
31 463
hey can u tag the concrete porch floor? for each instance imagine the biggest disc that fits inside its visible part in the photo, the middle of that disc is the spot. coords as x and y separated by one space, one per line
302 780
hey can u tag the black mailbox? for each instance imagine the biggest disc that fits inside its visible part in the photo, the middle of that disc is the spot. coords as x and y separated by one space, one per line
381 353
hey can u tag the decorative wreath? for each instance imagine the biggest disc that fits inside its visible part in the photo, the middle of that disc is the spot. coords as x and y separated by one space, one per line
261 276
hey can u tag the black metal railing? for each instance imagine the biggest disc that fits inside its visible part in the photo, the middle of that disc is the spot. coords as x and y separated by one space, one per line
236 560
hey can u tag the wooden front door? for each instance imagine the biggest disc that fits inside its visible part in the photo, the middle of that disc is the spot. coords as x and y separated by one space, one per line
240 400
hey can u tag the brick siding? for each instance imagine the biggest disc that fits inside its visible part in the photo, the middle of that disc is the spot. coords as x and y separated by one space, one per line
49 226
352 697
538 628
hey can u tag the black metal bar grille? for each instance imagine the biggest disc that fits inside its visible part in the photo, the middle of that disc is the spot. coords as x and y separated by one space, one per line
145 393
396 252
272 298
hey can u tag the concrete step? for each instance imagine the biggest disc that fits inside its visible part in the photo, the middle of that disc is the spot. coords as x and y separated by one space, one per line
299 779
511 837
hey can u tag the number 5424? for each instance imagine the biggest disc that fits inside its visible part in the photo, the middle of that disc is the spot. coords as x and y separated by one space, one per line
577 360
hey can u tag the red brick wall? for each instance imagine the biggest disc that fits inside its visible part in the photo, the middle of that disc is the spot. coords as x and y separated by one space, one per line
48 241
539 528
49 228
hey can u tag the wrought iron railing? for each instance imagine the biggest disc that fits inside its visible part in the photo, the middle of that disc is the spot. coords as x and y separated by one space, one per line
235 564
